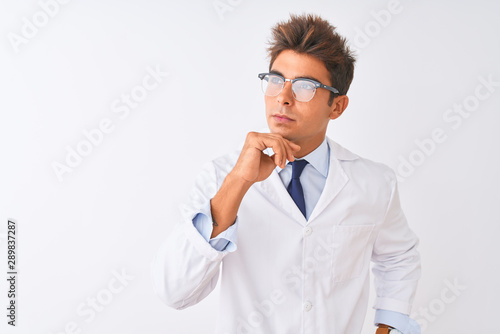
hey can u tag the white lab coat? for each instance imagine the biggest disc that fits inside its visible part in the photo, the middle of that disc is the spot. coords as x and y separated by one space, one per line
289 275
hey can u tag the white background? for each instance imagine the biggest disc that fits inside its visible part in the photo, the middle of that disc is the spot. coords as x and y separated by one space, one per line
113 210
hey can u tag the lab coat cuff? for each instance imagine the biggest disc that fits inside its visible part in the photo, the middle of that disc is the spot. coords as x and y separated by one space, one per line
400 321
201 245
226 240
392 304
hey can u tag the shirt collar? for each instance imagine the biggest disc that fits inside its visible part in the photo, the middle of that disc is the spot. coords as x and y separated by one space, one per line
319 158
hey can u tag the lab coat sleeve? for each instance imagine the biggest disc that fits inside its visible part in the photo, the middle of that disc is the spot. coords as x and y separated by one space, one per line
186 267
396 260
204 224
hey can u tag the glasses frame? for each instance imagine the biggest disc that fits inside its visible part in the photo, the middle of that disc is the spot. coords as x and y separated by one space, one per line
314 82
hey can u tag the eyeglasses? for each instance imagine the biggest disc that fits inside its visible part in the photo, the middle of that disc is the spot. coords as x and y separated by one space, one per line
303 89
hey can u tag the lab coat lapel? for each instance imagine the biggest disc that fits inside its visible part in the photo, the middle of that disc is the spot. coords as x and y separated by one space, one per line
336 179
276 192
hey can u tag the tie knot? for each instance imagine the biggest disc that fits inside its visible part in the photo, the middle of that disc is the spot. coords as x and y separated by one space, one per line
298 167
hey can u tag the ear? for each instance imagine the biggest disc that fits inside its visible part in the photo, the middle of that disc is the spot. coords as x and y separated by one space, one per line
338 106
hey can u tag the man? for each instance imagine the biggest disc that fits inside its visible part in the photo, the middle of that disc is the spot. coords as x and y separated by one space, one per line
295 228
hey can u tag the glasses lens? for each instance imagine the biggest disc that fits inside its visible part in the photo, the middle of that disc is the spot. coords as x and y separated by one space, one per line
272 85
303 90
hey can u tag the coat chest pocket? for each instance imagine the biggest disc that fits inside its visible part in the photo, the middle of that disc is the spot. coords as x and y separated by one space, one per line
350 243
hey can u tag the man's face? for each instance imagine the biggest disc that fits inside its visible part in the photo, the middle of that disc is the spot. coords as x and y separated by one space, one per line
303 123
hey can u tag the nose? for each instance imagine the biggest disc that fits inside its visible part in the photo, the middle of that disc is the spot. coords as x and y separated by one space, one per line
286 95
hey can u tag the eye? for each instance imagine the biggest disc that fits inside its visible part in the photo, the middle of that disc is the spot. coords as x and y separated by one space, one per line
305 85
275 80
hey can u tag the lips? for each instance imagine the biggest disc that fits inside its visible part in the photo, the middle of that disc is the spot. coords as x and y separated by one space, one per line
282 118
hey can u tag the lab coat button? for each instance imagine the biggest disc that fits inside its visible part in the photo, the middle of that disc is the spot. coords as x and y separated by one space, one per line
308 230
307 306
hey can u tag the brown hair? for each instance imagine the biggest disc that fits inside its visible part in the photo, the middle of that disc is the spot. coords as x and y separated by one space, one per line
312 35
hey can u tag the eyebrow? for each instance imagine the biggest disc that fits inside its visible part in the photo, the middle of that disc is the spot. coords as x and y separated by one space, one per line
300 76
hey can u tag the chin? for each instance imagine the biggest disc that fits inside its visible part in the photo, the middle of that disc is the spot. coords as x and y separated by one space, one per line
281 132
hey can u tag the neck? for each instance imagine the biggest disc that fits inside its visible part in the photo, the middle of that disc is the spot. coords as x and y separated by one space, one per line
307 147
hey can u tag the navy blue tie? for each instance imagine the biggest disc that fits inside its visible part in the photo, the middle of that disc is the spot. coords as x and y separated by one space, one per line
295 188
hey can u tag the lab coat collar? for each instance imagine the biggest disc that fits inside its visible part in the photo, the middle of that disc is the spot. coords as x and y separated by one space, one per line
336 180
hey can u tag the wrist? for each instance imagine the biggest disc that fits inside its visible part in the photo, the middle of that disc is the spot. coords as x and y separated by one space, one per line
385 329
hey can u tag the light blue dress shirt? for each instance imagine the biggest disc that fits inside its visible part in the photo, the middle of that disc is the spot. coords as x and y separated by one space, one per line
312 179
